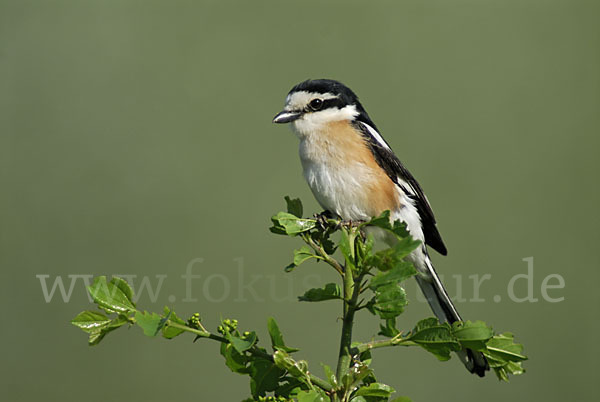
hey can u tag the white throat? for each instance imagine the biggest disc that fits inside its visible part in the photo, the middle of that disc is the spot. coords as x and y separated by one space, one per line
314 122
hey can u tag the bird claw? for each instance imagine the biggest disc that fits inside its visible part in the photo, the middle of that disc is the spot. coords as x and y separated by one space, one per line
323 219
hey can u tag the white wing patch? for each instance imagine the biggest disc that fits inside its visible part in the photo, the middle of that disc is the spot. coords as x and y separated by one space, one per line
376 135
405 185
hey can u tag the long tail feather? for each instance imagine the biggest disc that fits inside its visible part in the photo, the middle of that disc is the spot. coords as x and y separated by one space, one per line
445 311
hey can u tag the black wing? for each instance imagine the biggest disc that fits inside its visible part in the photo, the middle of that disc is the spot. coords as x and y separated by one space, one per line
402 177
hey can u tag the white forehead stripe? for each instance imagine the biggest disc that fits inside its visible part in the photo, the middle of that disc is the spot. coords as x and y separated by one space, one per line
298 100
376 135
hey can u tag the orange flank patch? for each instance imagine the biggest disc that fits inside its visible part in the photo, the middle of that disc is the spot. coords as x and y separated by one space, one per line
346 147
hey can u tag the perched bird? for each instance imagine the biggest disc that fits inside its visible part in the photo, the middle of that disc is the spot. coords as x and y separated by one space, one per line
353 172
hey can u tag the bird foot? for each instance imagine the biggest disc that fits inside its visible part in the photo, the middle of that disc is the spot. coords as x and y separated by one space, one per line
323 219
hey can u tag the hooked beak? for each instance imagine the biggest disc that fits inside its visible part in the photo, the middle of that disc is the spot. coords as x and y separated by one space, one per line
286 117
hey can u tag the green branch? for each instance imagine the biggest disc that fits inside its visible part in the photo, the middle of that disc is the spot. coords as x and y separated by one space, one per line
370 280
319 382
344 356
395 341
323 254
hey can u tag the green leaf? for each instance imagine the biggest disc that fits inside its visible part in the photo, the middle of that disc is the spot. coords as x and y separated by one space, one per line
392 257
322 238
472 335
399 272
109 296
504 356
330 375
507 368
276 228
356 374
400 229
90 321
514 368
123 285
97 334
95 337
288 387
389 329
389 301
238 363
405 246
302 254
286 223
365 248
329 292
376 389
264 377
382 221
294 206
365 357
434 337
315 395
390 298
277 338
297 369
241 344
151 323
168 331
501 347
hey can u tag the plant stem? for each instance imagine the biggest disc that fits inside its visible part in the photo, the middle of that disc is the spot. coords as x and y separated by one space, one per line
351 293
201 333
395 341
319 382
326 257
344 356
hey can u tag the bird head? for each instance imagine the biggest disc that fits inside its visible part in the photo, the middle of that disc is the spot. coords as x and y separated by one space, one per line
314 103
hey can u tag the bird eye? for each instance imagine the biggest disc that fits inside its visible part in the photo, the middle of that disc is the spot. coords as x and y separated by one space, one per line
315 104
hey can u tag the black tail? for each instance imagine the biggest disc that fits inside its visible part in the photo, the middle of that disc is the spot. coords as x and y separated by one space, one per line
444 310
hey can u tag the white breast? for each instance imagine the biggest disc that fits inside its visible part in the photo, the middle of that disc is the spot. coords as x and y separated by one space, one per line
338 181
339 189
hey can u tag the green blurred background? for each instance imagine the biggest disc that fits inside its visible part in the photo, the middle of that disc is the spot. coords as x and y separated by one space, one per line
136 136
